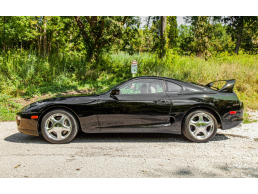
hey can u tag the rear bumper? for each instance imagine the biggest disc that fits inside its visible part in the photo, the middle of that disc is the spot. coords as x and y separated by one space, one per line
229 121
26 125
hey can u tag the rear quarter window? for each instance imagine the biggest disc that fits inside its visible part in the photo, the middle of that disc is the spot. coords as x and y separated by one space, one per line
171 87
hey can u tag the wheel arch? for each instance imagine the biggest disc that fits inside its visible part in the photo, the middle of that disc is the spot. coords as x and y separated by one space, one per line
211 110
53 108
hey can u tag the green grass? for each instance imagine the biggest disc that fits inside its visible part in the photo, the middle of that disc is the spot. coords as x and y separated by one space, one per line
8 108
25 75
247 119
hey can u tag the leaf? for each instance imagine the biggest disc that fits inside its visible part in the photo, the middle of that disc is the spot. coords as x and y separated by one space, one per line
17 166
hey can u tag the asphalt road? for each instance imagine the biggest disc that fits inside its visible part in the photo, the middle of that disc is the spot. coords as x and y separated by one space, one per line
126 155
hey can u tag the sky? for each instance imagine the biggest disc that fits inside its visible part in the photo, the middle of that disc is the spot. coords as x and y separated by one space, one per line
180 20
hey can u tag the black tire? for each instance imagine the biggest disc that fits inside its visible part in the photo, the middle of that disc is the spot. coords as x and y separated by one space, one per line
73 124
187 130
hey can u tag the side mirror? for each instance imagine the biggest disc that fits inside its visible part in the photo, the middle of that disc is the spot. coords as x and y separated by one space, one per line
114 92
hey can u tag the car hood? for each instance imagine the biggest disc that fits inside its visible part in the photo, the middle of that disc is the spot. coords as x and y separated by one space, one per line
64 100
69 97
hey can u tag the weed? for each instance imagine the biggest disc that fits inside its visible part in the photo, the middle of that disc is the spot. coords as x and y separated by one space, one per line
24 74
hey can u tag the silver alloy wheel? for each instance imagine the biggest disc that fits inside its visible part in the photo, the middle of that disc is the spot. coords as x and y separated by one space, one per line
201 126
58 126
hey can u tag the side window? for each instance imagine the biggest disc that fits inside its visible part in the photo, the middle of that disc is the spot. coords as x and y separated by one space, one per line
143 86
171 87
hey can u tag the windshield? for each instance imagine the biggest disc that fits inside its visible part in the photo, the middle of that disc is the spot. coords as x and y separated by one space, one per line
105 89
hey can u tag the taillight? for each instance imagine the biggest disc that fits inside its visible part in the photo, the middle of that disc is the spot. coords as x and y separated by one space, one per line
232 112
34 117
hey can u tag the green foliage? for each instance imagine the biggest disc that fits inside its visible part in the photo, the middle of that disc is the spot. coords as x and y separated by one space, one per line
243 31
8 108
247 119
202 30
221 41
185 38
99 32
27 32
27 73
52 54
172 31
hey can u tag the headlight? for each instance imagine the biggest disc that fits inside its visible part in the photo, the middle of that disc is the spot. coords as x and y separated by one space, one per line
18 118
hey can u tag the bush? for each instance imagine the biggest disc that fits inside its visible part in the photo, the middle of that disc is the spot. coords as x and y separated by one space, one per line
25 74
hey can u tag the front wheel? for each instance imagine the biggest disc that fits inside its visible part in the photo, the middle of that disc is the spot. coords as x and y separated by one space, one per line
59 126
200 126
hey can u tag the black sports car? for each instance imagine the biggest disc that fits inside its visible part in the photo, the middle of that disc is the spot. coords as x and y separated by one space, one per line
140 105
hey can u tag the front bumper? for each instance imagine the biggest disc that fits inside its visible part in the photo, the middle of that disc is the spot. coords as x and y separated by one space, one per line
27 125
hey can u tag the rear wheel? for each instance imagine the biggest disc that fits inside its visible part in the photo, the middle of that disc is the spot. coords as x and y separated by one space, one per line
200 126
59 126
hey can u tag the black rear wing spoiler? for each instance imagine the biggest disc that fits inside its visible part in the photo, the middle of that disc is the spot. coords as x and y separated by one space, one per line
227 88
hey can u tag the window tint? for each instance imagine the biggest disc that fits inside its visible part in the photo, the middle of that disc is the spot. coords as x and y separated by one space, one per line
171 87
143 86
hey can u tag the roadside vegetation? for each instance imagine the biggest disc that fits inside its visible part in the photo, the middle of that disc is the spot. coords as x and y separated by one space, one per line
46 56
26 76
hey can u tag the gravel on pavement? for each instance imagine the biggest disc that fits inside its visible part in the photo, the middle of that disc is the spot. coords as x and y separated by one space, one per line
232 153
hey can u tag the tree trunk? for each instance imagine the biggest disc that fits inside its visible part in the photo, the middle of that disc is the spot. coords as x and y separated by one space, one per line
57 43
39 41
94 49
49 45
44 35
4 36
163 35
148 21
239 36
199 53
70 37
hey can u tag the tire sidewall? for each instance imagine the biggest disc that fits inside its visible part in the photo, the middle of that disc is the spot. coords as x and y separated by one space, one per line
73 122
189 135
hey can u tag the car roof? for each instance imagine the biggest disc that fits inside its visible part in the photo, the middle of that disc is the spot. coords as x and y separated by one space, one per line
149 76
159 77
182 83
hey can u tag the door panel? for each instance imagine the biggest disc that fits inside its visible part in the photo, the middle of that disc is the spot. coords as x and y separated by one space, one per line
138 112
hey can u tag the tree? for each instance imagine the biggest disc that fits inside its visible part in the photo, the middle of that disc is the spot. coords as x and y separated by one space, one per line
221 40
237 27
132 37
163 36
185 39
99 32
173 31
202 29
4 36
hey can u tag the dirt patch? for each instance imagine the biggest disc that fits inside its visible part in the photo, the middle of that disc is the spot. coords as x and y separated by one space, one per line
26 101
85 91
253 115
